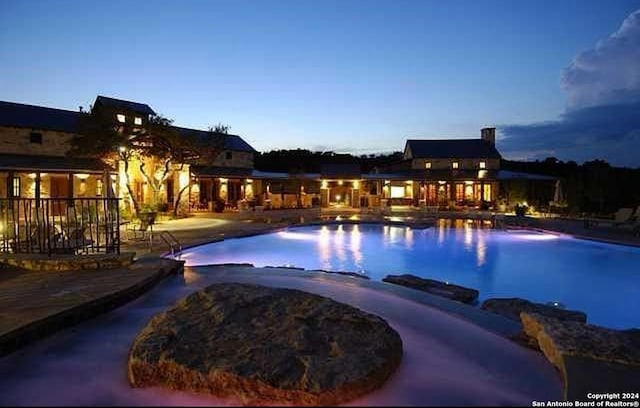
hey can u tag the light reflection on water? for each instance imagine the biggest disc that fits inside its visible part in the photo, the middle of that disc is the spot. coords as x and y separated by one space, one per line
597 278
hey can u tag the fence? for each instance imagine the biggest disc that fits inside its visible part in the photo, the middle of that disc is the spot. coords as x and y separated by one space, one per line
59 225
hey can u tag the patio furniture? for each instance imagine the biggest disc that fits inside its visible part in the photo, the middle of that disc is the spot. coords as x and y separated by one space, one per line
621 216
74 242
140 230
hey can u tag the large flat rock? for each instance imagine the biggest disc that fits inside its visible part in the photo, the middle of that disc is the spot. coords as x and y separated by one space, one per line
434 287
512 307
265 345
590 358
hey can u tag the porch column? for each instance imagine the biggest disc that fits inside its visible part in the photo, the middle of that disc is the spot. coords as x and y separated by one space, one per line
38 181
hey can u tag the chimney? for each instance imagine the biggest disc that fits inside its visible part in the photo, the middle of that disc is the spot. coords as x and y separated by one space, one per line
488 134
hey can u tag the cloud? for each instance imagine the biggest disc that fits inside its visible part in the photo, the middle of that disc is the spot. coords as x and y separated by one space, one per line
608 73
610 132
602 119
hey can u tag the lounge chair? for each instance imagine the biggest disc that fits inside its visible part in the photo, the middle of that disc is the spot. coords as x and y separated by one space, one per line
623 215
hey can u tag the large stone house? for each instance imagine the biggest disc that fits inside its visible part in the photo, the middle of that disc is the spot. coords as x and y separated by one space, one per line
35 140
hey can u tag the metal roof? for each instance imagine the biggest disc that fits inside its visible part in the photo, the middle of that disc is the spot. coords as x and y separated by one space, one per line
518 175
38 117
452 149
122 104
231 142
20 162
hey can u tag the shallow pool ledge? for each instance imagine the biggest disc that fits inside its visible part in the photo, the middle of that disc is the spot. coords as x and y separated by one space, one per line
489 321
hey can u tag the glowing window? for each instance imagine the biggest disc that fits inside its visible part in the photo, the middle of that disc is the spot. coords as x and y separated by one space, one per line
397 191
427 165
483 164
98 187
455 165
487 192
16 186
121 118
137 120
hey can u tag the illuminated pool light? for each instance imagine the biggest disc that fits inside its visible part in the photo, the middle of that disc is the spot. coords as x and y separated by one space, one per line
534 236
297 235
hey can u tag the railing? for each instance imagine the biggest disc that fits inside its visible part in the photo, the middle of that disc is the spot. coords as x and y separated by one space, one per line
172 242
59 225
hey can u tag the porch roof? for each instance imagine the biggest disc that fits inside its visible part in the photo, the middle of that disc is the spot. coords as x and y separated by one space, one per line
220 171
32 163
518 175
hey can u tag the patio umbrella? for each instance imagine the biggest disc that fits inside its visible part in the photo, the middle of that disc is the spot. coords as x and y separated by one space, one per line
558 196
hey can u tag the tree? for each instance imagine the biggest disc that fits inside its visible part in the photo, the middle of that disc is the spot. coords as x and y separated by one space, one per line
157 146
220 128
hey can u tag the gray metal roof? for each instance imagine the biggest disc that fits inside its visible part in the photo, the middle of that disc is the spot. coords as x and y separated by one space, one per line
38 117
23 162
231 142
518 175
122 104
452 149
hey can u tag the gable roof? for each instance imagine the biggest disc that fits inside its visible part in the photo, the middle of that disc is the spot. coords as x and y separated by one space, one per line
51 163
452 149
38 117
340 170
231 142
122 104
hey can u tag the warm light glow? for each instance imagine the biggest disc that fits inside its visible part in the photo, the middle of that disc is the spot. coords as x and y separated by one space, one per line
340 182
397 192
427 165
249 181
137 120
122 149
32 175
356 184
455 165
183 179
442 182
482 173
324 184
82 176
483 164
409 181
121 118
468 182
223 180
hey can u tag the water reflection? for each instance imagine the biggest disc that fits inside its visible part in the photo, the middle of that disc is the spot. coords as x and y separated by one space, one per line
355 240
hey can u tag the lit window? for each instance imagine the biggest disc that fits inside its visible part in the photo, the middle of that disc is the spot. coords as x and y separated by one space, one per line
137 120
16 186
98 187
397 191
427 165
120 117
483 164
455 165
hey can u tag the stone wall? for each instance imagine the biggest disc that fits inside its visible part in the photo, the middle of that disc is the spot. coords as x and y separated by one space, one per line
464 164
59 263
17 141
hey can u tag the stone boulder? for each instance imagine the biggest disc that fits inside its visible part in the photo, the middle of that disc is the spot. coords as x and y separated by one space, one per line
265 345
590 358
512 307
434 287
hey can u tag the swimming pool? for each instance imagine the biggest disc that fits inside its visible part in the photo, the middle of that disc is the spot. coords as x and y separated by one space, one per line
600 279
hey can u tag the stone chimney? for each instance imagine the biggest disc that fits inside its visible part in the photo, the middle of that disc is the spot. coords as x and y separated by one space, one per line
488 134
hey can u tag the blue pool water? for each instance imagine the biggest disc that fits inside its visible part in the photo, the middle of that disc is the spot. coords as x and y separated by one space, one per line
600 279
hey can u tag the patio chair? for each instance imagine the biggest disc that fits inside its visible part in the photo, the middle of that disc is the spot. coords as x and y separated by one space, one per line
139 231
74 242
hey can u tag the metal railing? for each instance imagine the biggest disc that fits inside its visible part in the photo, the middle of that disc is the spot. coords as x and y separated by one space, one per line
172 242
59 225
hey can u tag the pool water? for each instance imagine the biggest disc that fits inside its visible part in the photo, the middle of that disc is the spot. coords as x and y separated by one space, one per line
602 280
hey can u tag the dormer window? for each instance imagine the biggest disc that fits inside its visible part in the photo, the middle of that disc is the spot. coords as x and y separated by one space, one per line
137 120
483 164
121 118
455 165
229 155
427 165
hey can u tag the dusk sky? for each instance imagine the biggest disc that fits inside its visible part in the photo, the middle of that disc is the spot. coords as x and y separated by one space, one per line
558 78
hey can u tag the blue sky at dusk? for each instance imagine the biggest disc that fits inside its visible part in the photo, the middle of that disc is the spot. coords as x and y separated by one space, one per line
558 78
